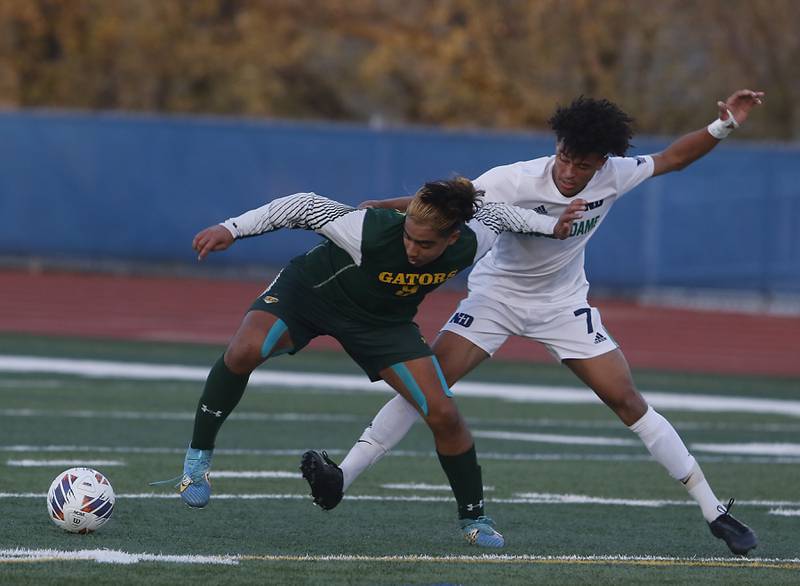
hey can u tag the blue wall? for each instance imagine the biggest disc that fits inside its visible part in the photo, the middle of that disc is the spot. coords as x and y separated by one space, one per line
137 188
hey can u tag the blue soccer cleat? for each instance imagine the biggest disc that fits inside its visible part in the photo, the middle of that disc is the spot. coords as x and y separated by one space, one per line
481 532
195 487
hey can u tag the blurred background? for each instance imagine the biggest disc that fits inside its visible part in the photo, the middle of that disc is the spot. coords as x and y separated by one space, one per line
129 125
126 126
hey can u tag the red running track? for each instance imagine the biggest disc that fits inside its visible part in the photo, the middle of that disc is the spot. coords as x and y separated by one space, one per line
208 311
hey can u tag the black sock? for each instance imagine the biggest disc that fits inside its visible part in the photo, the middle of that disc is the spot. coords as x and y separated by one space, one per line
464 475
220 396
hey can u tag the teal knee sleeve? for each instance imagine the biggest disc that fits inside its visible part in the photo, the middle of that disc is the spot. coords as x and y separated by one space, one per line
274 334
411 384
442 380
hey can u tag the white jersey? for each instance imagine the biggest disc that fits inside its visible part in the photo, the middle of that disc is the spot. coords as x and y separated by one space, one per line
532 270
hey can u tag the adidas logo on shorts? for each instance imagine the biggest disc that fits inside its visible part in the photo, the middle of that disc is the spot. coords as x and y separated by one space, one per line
599 338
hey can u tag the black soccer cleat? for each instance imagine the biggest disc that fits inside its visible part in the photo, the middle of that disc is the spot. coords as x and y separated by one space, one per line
738 536
324 477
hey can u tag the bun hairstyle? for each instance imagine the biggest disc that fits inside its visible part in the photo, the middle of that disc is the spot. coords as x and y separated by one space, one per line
445 205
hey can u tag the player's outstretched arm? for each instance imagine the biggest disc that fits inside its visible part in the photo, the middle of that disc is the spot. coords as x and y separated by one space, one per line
213 239
690 147
306 211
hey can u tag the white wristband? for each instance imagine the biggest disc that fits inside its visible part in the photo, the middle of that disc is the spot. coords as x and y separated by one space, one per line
719 129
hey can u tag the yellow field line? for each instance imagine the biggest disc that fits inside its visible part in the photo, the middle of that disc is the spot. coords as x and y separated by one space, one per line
565 560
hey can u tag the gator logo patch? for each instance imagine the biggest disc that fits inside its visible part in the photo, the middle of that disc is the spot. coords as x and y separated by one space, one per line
269 299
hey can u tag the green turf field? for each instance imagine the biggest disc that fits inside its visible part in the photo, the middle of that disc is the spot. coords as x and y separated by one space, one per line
574 506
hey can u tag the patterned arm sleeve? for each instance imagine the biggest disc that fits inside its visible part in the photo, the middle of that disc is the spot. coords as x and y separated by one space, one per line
307 211
340 223
494 218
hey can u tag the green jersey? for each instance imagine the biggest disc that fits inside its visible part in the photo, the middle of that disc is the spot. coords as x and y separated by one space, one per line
362 266
384 287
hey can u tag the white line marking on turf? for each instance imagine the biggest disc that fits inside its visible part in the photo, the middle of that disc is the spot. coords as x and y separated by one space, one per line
109 556
68 463
511 456
340 382
580 499
176 416
761 449
423 486
121 557
349 417
785 512
756 449
550 438
254 474
532 498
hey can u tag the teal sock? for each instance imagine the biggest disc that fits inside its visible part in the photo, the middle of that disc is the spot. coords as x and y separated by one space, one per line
223 391
464 475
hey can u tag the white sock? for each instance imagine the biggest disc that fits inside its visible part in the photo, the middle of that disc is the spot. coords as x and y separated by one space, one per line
390 425
699 489
666 446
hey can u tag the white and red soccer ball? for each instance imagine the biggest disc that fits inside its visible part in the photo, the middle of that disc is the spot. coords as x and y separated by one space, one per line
80 500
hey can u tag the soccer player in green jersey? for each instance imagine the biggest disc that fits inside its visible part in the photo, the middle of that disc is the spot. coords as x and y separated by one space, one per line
362 286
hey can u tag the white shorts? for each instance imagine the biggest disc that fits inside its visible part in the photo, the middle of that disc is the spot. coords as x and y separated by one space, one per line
567 332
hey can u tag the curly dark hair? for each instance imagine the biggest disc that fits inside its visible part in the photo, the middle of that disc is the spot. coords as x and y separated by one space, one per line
445 204
589 126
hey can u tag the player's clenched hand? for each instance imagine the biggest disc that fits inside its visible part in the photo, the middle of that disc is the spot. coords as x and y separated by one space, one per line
740 103
573 212
370 203
212 239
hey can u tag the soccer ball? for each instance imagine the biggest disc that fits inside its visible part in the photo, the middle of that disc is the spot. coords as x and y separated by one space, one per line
80 500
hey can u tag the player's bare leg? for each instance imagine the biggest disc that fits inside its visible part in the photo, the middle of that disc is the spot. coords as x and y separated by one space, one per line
421 382
421 390
259 336
457 356
609 376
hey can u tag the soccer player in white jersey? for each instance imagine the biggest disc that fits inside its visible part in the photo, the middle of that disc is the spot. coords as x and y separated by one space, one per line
536 288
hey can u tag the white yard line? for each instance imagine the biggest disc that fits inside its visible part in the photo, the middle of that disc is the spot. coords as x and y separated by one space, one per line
349 417
177 416
755 448
357 383
67 463
423 486
749 449
295 453
253 474
549 438
20 555
785 512
108 556
532 498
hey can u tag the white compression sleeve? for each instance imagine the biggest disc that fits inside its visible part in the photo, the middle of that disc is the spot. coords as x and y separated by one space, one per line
668 449
663 442
390 425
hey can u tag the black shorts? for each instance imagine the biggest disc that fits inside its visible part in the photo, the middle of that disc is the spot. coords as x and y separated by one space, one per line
308 314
